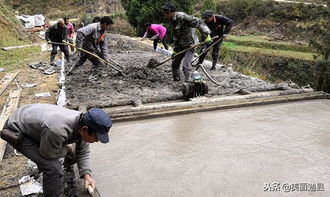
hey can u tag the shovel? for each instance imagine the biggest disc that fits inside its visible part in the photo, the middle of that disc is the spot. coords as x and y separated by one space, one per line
96 56
205 51
93 192
185 50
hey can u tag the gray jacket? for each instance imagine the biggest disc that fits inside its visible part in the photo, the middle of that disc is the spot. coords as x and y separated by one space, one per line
184 34
88 38
53 127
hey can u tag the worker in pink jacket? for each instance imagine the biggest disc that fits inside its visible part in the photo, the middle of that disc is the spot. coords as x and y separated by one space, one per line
70 31
157 33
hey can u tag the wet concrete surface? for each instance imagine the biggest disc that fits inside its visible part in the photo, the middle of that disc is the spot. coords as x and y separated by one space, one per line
148 84
233 152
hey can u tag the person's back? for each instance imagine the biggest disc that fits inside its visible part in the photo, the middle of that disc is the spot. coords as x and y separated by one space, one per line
56 33
91 35
45 117
158 29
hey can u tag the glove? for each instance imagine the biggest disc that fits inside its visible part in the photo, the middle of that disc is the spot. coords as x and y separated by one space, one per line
208 39
173 53
224 35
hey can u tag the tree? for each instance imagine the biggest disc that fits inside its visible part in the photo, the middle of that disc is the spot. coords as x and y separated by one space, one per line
209 5
141 11
321 41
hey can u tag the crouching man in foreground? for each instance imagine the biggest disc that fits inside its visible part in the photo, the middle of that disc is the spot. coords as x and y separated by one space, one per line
44 133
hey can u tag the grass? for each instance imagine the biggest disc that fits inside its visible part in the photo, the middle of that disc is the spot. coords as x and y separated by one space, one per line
16 59
264 42
270 52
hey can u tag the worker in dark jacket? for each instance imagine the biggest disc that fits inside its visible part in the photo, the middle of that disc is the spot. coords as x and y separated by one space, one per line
46 134
220 26
184 36
93 38
57 33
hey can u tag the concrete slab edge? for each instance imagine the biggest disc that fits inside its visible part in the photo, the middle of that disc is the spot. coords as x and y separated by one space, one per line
161 110
6 80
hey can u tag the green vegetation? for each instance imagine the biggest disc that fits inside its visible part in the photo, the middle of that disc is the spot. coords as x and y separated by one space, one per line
10 27
263 42
271 52
15 59
141 11
321 41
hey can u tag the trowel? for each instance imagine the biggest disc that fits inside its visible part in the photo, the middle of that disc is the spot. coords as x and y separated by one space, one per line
93 192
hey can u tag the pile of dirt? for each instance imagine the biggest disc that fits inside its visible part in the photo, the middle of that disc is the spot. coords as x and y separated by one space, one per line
140 82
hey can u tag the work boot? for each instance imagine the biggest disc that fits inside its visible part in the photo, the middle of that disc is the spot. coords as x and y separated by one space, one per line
52 59
214 63
176 75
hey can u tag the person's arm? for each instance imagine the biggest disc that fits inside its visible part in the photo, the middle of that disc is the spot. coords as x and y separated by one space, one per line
194 22
82 33
51 144
71 31
83 161
64 34
104 48
226 22
48 33
145 35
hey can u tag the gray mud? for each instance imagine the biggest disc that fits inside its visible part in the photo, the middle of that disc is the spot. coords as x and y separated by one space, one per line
143 81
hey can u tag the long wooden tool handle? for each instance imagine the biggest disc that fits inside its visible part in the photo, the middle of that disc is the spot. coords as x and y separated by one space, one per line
58 43
185 50
90 190
205 51
94 55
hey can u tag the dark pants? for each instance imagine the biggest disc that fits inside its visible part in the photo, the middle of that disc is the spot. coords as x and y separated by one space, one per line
187 58
63 48
215 52
164 42
98 65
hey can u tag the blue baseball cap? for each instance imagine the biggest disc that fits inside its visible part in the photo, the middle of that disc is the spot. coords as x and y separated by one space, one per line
99 122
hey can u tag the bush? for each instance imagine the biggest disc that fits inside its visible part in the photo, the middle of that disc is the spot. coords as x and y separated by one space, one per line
141 11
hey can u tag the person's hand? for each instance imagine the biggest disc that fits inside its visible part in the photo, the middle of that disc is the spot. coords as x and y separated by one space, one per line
173 53
88 180
70 148
208 39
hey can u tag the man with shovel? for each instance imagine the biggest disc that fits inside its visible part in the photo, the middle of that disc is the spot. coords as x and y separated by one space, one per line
93 38
56 34
184 37
220 26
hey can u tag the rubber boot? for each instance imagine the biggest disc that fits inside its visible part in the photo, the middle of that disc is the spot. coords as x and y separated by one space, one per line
214 63
176 75
52 59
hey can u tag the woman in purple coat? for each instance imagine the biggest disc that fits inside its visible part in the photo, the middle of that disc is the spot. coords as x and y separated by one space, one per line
157 33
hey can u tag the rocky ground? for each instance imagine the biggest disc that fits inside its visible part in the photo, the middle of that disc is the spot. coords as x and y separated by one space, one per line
141 83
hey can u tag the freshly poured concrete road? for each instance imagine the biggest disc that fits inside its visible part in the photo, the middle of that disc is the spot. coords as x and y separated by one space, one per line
233 152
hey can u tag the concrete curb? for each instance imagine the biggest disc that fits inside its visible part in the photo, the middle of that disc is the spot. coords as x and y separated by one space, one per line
129 113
